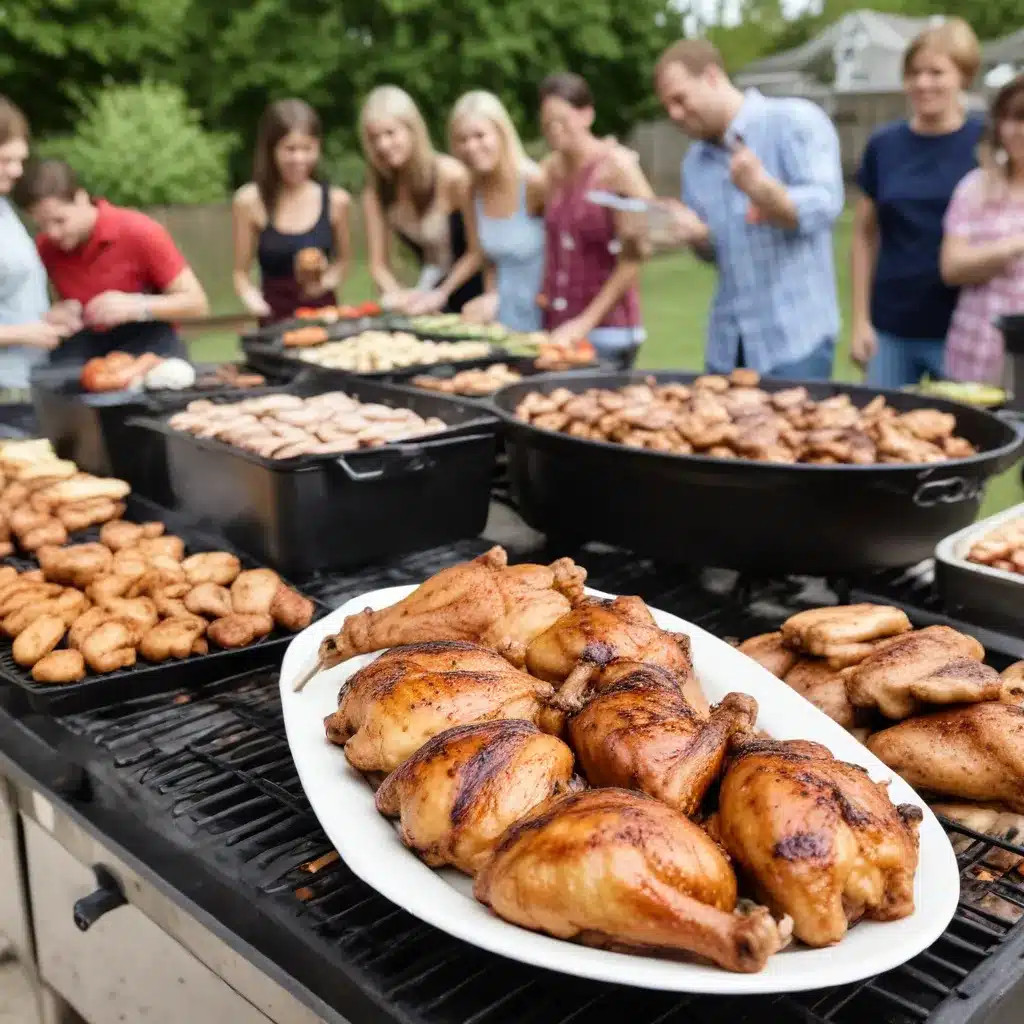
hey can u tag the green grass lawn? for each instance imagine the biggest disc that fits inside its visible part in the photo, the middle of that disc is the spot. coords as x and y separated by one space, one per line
676 292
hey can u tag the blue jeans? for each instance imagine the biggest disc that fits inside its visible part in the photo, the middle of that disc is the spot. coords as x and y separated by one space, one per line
900 362
816 365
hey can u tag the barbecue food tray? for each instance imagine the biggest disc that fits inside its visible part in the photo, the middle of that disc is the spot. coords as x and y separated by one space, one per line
992 597
370 844
144 677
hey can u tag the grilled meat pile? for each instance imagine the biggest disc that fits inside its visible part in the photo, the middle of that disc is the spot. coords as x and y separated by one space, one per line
1001 548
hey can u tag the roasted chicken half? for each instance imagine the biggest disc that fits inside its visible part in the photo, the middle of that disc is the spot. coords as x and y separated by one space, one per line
618 870
642 734
937 665
485 601
390 708
969 753
462 789
601 640
817 839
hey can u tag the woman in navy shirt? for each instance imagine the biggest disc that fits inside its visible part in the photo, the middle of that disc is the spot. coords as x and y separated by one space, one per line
901 307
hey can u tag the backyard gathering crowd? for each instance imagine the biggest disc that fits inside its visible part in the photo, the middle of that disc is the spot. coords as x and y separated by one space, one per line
937 254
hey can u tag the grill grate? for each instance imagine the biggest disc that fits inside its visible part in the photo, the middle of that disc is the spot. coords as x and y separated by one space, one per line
215 762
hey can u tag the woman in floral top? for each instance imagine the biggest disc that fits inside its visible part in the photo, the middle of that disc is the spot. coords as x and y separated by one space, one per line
983 248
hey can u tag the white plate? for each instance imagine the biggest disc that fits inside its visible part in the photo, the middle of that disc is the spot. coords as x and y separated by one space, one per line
369 843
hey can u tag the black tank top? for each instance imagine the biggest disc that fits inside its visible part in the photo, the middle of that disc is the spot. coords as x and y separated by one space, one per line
276 252
474 287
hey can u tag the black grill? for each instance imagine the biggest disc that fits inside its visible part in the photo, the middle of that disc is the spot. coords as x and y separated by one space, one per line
212 767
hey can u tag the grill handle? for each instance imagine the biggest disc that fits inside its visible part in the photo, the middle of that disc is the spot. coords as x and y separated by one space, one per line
108 896
398 459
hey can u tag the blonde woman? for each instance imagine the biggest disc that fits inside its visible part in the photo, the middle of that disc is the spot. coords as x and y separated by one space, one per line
983 250
423 198
508 207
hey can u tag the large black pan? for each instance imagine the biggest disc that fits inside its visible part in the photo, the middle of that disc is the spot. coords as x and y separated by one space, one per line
759 517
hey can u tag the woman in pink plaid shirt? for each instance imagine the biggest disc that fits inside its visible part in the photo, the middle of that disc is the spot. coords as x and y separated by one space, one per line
983 248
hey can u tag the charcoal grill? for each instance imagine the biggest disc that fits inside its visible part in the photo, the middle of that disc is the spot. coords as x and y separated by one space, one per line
208 772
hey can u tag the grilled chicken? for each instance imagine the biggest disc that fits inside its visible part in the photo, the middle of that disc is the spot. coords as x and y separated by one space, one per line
1012 691
970 753
642 734
600 641
770 651
390 708
825 688
936 665
485 601
618 870
844 633
817 838
987 820
462 789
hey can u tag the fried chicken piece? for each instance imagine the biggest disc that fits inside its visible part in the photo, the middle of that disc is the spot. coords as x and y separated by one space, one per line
485 601
1012 678
165 546
641 734
770 652
290 610
8 574
130 562
77 565
240 629
84 487
820 631
26 519
825 688
170 607
69 606
974 752
82 515
818 838
118 535
110 646
142 610
107 588
209 599
253 591
172 638
51 532
392 706
155 580
64 666
38 639
89 620
928 424
459 792
618 870
218 567
26 594
936 665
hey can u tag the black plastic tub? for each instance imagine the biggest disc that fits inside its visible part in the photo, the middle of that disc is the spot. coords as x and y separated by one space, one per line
144 678
326 512
753 516
93 429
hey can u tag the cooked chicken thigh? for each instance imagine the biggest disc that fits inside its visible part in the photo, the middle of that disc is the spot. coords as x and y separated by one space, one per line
936 665
770 652
600 641
484 601
462 789
845 632
390 708
825 688
619 870
817 838
642 734
970 753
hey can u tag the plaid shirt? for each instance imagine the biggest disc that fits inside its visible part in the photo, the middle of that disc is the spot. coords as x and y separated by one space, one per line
776 287
981 214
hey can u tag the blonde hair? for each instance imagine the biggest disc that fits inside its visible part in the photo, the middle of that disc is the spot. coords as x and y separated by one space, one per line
954 39
488 107
388 101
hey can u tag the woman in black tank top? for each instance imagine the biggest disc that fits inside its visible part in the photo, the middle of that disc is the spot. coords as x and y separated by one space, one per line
295 226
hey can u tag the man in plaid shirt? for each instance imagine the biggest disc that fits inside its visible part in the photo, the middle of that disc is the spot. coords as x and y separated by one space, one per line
762 188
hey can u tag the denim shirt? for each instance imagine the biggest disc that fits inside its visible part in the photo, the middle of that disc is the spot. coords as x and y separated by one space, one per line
23 297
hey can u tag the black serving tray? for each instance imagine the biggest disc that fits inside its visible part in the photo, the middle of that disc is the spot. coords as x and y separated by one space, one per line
144 678
318 513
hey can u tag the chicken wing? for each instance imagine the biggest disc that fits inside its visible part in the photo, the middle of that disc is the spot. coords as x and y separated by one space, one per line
817 838
968 753
770 651
616 869
484 601
462 789
218 567
110 646
253 591
390 708
172 638
38 639
240 629
209 599
641 734
825 688
64 666
936 665
821 631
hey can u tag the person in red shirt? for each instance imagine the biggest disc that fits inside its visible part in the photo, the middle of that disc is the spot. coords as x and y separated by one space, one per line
118 269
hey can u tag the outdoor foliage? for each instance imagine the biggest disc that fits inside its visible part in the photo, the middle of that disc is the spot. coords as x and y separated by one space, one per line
140 145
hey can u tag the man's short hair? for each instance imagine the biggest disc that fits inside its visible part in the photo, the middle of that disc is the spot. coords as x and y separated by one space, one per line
48 179
695 55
